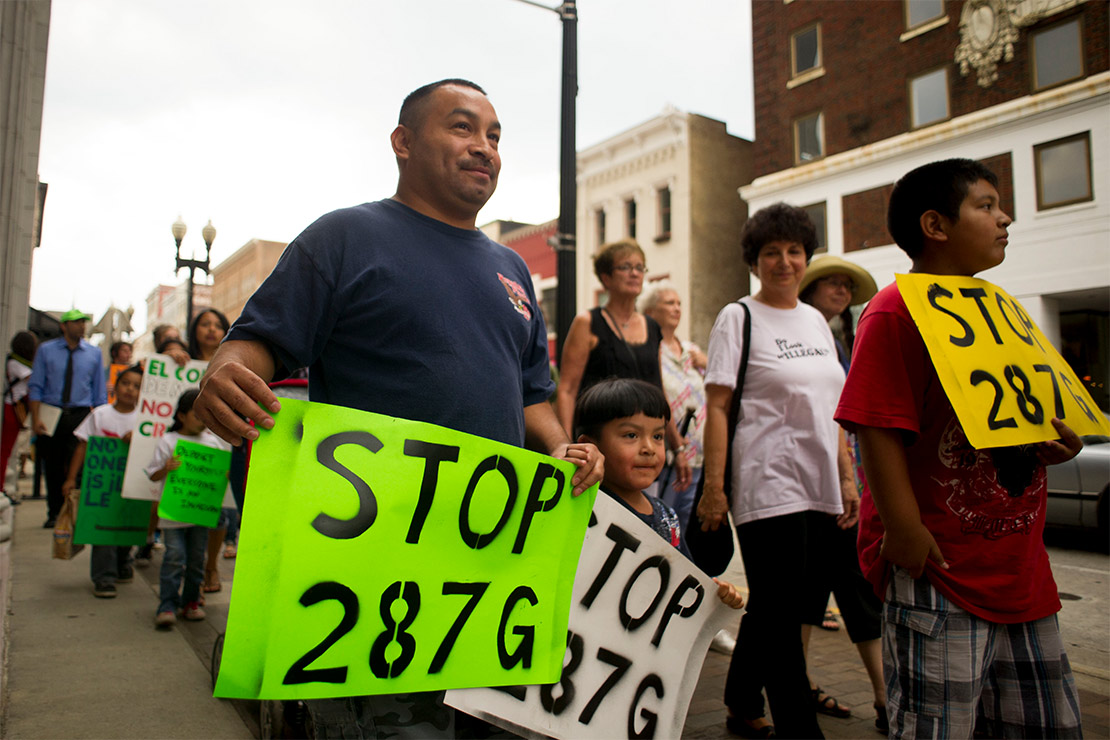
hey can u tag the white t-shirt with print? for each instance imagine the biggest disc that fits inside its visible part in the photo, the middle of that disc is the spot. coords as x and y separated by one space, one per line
106 421
785 449
164 451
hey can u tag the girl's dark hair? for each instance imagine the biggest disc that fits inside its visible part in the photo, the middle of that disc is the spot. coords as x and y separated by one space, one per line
184 406
777 223
194 345
617 398
136 368
161 348
116 347
24 344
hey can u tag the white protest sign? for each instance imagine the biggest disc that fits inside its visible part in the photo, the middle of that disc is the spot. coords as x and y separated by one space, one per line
163 383
641 619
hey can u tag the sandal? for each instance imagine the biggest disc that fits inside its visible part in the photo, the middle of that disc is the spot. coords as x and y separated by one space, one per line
829 622
229 552
826 704
211 587
746 728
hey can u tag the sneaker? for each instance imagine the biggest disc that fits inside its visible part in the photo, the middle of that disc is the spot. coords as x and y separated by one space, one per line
723 643
126 575
165 620
193 612
104 591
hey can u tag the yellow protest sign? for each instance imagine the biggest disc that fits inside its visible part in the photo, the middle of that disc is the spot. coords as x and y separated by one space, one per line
379 555
1004 379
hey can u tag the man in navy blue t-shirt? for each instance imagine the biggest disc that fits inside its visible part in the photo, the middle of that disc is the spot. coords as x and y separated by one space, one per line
404 308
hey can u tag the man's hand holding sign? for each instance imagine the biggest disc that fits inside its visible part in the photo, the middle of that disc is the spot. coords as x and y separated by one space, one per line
387 556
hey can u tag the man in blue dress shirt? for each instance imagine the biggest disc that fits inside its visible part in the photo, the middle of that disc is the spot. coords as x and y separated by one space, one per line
66 374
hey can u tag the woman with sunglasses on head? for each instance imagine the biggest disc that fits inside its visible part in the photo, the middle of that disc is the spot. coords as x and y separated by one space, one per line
615 340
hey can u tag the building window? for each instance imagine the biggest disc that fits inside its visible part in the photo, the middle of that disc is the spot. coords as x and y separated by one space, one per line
929 98
816 213
663 208
599 225
630 217
922 11
1063 171
809 138
805 50
1057 54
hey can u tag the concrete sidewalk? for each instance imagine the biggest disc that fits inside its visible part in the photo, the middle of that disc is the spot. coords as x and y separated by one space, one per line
82 667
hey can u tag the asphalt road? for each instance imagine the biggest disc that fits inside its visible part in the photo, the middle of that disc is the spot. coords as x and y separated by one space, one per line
1081 566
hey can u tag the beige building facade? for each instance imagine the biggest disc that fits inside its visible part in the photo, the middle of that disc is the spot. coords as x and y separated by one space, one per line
671 184
236 278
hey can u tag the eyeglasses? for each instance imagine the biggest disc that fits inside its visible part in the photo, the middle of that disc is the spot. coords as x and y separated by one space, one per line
840 282
629 267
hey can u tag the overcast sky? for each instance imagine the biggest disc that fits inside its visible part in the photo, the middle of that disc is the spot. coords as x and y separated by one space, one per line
262 115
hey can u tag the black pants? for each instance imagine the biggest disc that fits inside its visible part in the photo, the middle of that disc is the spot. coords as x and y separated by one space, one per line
780 571
57 452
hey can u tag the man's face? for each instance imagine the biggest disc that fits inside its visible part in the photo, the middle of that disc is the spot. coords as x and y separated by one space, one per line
450 160
73 330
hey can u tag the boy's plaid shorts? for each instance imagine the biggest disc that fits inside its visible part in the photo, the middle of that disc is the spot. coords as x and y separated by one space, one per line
947 670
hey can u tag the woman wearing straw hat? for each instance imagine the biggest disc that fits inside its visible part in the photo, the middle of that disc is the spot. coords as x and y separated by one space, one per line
833 285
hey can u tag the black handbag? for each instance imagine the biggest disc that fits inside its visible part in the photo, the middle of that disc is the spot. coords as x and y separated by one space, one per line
712 551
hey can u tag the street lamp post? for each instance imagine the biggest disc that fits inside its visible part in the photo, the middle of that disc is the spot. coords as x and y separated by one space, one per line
565 265
209 235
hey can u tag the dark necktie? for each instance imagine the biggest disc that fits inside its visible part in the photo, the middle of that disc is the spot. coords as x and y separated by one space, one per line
68 385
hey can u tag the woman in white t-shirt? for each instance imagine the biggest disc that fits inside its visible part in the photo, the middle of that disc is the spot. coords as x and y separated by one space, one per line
787 459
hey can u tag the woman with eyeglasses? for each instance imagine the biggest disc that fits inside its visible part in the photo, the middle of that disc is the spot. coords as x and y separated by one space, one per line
614 340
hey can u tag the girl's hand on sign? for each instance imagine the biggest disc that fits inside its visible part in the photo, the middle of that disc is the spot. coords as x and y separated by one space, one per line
1061 450
728 594
172 464
910 548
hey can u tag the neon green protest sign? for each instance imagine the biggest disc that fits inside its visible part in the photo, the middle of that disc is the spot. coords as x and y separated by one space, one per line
194 491
380 555
104 517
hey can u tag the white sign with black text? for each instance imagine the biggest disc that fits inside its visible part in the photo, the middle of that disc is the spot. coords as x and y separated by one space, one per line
641 619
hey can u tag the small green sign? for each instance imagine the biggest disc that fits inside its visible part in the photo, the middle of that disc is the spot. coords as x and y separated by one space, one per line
104 517
380 555
195 491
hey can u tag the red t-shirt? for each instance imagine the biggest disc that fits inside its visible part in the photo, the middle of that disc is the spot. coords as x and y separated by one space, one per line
985 508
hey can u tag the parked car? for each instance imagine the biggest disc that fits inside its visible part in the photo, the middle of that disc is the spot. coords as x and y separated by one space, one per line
1079 488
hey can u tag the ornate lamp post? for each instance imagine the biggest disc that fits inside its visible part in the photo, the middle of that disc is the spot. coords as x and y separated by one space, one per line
209 235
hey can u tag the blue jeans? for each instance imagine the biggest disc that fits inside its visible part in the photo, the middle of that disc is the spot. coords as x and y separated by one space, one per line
184 556
682 501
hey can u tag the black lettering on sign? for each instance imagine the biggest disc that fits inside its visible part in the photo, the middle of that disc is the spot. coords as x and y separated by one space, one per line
452 588
620 665
526 633
993 422
969 334
550 703
659 562
1002 304
508 472
433 455
651 719
520 693
1057 399
1028 405
380 666
1027 323
532 504
978 294
299 671
1077 398
346 529
689 583
621 541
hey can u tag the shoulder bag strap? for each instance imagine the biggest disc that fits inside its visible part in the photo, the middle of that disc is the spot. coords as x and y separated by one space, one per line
734 411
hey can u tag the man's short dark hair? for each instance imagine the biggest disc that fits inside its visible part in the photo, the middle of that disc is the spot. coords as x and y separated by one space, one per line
777 223
412 110
937 186
617 398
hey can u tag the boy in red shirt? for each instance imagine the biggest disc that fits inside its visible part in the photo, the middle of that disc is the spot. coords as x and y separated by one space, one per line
949 534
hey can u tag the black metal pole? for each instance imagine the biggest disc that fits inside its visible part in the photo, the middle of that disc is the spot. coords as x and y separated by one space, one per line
189 301
568 185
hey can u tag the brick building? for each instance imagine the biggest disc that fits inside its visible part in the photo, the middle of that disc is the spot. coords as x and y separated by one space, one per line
849 96
236 278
